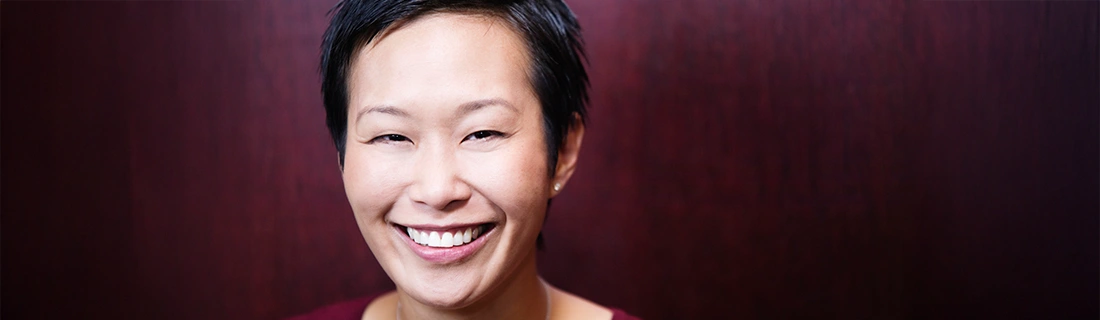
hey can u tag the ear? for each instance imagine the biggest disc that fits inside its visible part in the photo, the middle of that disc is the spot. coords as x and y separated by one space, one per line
567 155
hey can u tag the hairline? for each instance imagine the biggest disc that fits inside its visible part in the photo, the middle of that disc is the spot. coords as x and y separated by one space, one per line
528 51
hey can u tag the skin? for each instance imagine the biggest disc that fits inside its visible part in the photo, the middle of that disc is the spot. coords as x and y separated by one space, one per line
444 128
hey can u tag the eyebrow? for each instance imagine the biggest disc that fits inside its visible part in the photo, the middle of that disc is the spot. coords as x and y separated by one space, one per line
464 109
475 105
390 110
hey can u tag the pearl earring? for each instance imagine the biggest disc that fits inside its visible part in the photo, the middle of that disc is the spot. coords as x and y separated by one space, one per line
557 187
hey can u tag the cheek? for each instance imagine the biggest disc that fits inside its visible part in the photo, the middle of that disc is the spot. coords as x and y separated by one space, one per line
372 185
514 180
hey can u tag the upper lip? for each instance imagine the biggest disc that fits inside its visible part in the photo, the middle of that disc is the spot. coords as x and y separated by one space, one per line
441 228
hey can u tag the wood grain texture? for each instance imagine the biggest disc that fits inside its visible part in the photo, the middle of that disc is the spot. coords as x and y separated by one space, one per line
744 159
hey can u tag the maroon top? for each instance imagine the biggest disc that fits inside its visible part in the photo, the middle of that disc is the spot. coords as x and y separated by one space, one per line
353 310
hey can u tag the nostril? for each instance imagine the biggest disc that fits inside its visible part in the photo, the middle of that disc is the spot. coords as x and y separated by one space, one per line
438 181
443 196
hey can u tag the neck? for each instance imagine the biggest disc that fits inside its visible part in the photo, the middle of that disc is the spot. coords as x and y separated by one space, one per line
521 296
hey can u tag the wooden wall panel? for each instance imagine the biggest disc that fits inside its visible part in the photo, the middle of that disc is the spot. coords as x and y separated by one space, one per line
759 159
65 210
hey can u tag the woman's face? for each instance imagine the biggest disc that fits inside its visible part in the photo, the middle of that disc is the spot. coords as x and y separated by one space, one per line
445 138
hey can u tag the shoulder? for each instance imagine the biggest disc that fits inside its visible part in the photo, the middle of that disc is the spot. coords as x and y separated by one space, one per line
617 314
569 306
350 310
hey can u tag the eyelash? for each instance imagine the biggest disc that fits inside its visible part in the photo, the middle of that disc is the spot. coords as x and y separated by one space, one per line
389 138
479 135
484 134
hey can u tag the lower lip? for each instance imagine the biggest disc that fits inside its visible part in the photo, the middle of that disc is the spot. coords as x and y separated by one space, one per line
446 255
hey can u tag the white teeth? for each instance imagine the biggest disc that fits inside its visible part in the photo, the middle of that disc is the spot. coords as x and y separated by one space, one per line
458 239
433 239
446 239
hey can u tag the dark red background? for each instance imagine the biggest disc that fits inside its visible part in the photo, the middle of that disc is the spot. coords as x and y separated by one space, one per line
745 159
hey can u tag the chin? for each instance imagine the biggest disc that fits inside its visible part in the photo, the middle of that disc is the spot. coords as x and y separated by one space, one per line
443 293
443 277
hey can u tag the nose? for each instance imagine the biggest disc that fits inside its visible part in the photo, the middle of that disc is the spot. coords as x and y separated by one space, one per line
438 183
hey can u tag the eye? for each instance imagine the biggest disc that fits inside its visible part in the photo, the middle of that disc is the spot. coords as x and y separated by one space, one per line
389 138
483 134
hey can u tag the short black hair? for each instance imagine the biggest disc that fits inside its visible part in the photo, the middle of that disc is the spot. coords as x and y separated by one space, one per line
548 27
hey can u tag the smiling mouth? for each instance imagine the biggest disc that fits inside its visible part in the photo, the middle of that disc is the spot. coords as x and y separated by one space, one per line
455 237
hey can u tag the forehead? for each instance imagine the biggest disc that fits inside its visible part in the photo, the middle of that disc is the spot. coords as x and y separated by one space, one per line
441 57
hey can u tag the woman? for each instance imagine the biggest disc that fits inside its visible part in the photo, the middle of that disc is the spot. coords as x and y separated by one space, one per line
455 124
